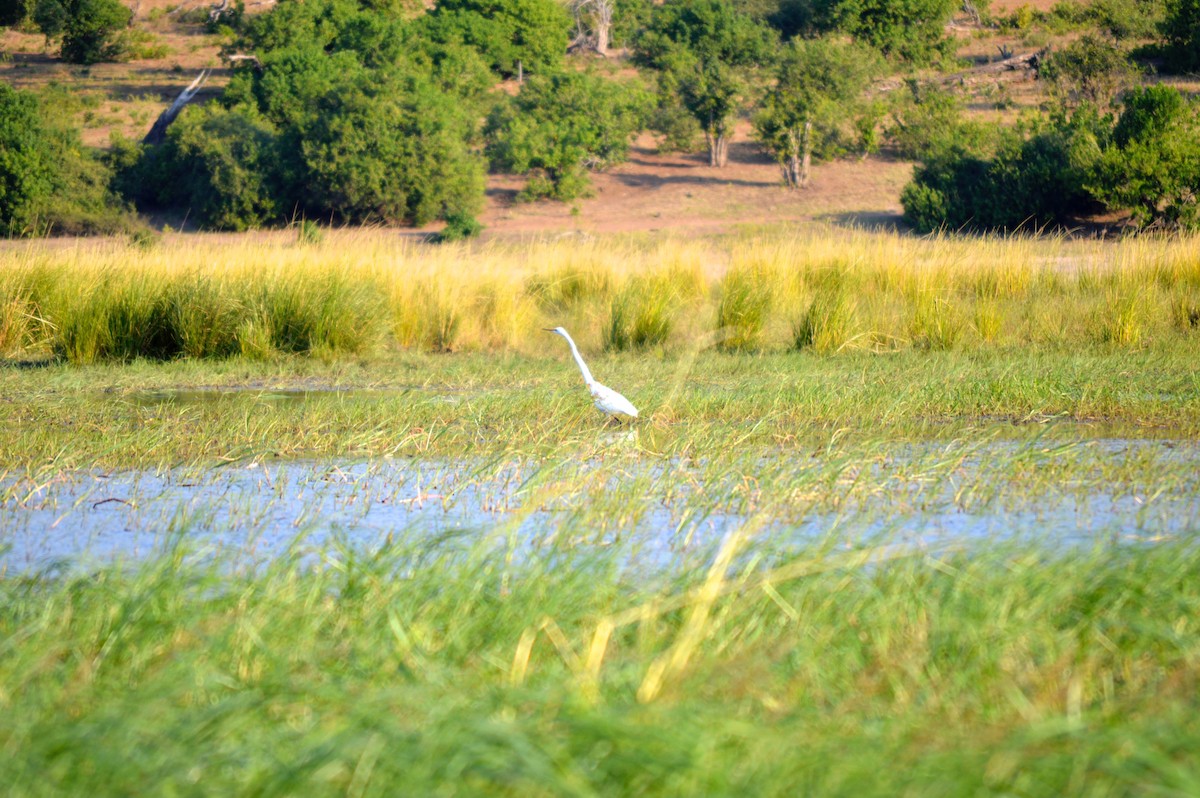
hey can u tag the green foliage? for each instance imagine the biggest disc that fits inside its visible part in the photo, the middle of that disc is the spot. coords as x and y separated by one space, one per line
1121 19
88 28
911 30
670 120
1152 167
1128 19
1147 164
48 181
928 123
460 225
706 50
630 17
220 165
563 124
1181 34
27 169
817 88
387 151
349 117
1030 182
532 33
1090 69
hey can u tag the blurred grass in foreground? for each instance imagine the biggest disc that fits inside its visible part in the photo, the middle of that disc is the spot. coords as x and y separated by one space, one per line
447 668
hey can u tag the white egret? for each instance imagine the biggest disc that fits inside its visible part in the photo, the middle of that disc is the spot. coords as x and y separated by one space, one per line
606 399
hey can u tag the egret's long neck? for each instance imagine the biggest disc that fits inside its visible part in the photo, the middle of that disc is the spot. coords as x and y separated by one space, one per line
587 375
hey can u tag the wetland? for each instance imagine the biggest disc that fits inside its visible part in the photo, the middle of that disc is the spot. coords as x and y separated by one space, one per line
914 522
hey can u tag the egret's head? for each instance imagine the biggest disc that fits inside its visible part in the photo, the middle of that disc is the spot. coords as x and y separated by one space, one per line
556 331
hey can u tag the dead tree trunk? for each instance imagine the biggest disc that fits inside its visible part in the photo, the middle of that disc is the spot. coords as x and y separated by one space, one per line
805 154
593 23
158 131
604 17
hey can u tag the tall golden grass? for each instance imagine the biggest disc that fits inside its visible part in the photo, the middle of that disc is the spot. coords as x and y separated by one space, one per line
826 290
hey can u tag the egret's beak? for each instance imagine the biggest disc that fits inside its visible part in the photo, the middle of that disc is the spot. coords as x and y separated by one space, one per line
547 329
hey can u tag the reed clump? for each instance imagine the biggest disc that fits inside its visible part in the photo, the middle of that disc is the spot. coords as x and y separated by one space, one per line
829 324
357 292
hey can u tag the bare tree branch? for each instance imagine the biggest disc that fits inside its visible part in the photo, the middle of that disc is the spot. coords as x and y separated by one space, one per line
158 132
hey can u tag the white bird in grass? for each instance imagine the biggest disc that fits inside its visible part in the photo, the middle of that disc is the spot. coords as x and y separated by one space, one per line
607 401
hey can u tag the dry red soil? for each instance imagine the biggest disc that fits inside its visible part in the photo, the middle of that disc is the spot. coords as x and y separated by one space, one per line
655 191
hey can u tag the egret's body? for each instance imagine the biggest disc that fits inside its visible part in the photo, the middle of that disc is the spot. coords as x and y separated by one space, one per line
607 401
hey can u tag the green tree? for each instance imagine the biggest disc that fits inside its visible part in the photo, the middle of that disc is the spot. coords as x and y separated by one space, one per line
819 83
512 35
88 28
1181 31
561 125
348 114
392 150
1152 167
928 122
706 51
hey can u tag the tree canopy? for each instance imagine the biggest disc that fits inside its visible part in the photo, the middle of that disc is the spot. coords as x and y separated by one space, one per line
706 51
561 125
817 85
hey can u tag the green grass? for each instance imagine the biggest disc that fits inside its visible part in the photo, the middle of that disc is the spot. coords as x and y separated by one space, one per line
464 405
429 668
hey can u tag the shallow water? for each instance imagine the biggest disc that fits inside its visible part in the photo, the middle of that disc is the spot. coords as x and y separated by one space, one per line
670 511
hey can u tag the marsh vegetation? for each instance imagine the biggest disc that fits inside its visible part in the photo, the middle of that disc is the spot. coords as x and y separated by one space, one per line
336 516
359 294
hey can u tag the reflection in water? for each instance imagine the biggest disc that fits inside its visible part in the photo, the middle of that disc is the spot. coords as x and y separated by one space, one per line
669 509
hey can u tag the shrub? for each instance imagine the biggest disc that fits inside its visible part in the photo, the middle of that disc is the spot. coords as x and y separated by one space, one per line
220 165
1033 180
929 123
460 225
27 170
911 30
1089 69
1152 167
390 151
13 12
48 180
320 135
